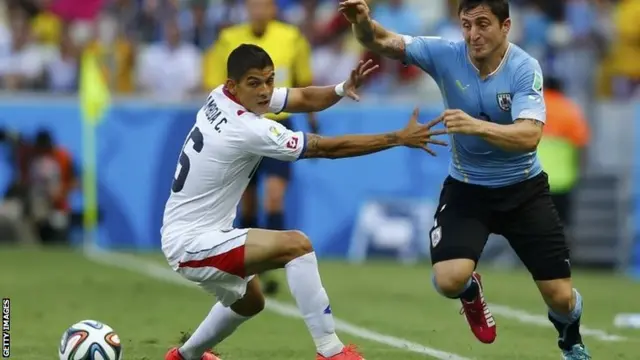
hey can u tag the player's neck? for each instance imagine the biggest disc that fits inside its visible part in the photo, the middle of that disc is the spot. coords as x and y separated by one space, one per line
489 65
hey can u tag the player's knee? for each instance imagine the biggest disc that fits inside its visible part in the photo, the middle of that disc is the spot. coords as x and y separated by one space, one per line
450 277
295 244
250 305
449 285
255 304
558 294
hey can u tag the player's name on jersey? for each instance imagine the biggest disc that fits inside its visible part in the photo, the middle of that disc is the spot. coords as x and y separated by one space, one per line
211 110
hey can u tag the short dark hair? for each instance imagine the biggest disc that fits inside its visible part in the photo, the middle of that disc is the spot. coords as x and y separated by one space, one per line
246 57
499 8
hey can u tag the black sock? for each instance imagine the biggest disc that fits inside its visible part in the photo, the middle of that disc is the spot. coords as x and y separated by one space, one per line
568 334
248 222
471 292
275 221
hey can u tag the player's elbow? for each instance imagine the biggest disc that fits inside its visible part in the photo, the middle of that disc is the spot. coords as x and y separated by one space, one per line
530 143
530 135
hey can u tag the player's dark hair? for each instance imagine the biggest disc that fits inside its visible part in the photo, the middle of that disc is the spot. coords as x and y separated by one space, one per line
246 57
499 8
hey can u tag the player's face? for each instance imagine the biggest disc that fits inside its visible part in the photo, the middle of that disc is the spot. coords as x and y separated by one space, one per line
482 31
254 90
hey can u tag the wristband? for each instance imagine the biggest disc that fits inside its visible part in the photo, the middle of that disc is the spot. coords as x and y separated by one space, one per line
340 89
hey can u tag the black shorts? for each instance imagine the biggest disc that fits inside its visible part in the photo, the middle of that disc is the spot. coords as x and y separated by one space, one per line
271 167
523 213
563 203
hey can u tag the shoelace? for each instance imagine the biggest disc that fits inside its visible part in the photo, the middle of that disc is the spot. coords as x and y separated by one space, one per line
580 355
472 311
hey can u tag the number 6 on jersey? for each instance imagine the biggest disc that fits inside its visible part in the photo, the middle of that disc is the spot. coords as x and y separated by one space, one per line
185 164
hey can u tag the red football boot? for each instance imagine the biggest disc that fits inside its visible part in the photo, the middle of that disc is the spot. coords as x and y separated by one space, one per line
479 316
348 353
174 354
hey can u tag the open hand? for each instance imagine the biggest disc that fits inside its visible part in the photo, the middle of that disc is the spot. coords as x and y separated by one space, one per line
459 122
357 77
416 135
355 11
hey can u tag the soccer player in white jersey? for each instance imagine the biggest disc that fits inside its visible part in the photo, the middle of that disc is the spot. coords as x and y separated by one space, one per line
493 92
220 154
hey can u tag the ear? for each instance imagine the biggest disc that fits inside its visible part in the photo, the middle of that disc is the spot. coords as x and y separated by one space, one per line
506 26
231 86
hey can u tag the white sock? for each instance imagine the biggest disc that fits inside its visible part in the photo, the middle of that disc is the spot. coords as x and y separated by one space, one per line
217 326
306 287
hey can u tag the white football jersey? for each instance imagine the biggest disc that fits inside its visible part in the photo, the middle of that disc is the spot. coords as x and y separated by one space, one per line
219 157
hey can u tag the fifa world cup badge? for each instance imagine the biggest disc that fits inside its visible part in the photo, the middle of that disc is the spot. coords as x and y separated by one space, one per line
538 82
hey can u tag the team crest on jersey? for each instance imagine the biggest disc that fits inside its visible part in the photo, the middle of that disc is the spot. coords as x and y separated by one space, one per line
504 101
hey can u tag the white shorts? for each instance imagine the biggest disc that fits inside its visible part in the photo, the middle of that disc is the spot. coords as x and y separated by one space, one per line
215 261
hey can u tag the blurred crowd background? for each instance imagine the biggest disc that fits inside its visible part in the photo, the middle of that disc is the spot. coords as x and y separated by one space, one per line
586 44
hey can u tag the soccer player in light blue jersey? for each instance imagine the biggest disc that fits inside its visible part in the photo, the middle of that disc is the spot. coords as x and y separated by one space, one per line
495 111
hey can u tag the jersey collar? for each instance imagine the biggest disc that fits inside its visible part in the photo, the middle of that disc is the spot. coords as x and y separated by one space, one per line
502 62
231 96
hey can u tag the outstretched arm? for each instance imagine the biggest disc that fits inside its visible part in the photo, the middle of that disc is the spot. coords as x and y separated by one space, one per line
370 33
311 99
379 40
271 139
430 53
414 135
348 145
318 98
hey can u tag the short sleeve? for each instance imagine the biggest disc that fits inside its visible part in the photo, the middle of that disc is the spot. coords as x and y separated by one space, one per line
278 100
272 139
427 52
528 98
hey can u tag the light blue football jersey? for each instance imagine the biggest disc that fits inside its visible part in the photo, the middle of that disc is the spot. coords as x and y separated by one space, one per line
513 91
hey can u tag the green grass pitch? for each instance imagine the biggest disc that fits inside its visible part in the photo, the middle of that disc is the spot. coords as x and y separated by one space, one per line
52 289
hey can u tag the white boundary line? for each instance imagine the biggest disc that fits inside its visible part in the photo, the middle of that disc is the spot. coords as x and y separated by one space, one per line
539 320
156 271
